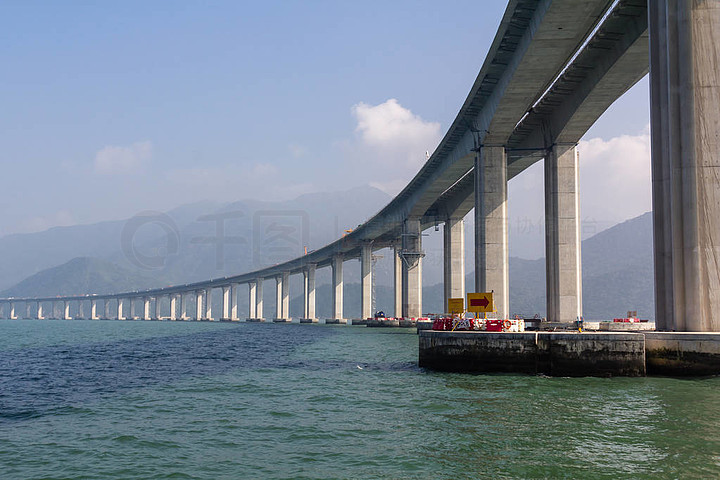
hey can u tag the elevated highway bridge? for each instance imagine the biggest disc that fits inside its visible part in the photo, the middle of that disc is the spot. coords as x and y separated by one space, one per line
553 68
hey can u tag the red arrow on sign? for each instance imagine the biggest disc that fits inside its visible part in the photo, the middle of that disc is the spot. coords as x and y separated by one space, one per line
482 302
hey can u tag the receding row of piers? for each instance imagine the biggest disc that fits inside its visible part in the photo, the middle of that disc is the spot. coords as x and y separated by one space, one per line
564 292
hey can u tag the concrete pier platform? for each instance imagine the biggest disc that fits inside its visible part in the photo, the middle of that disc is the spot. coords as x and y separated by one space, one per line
360 321
682 353
255 320
383 322
282 320
308 320
336 321
572 353
550 353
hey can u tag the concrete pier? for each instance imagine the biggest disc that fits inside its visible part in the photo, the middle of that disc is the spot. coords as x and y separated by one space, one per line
252 299
572 353
562 234
309 295
411 256
453 259
93 310
558 354
225 309
685 131
366 281
120 305
491 226
39 314
174 307
234 292
337 292
207 303
397 279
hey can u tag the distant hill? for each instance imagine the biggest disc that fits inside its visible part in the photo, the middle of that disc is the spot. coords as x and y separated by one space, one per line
79 276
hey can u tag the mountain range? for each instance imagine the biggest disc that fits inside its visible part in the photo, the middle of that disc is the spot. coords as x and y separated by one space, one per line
207 240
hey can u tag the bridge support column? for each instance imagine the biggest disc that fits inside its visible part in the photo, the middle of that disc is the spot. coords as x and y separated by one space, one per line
120 309
278 297
39 314
412 269
106 308
259 297
366 281
174 307
66 310
132 308
337 291
158 304
93 310
685 118
27 309
234 290
13 316
199 305
562 235
491 226
397 278
454 259
285 296
225 310
309 295
80 308
207 302
252 299
146 308
184 306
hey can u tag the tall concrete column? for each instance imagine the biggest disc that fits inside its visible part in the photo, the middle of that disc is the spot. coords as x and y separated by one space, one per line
93 310
106 309
285 296
225 313
397 278
173 306
366 281
39 311
309 293
412 269
207 301
66 310
252 299
278 297
454 259
259 297
120 308
234 291
158 304
491 226
132 308
199 310
27 309
563 275
81 310
685 118
12 311
146 308
184 306
337 289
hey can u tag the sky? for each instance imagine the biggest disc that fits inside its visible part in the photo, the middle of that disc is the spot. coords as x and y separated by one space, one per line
111 108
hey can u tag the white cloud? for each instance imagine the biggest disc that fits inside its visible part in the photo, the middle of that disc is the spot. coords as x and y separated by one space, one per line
615 178
114 160
395 133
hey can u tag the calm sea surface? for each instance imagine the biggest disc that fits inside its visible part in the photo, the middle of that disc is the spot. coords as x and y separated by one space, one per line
156 400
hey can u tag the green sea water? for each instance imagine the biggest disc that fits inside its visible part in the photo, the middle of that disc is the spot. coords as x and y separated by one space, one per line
189 400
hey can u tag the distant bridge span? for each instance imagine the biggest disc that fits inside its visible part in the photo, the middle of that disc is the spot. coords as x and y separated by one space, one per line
553 68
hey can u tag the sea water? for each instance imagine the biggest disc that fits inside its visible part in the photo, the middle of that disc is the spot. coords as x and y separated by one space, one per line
197 400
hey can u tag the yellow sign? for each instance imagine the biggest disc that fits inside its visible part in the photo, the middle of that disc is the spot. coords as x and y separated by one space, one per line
480 302
456 305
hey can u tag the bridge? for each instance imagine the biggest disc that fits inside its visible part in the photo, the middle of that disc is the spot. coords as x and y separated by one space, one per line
553 68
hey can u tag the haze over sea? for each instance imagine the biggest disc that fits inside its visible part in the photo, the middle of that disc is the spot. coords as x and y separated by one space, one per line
155 400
